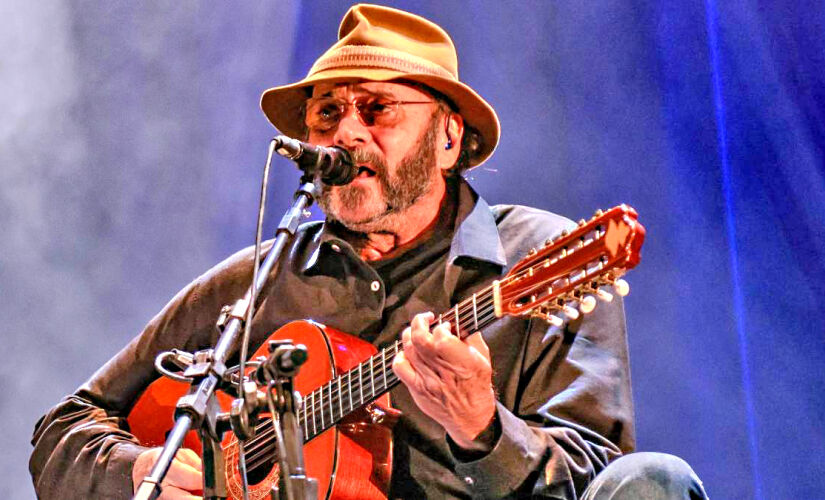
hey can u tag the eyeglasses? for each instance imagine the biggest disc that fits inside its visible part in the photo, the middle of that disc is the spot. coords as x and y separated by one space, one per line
324 113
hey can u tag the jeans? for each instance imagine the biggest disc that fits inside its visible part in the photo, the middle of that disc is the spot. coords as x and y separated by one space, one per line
646 476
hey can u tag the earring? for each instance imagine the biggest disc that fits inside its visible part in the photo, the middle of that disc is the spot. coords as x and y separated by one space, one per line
449 143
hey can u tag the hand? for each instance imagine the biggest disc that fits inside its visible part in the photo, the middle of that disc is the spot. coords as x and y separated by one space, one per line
450 380
184 474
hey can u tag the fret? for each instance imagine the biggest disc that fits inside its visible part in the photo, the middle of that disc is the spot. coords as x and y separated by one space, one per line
321 405
457 323
360 384
331 413
340 399
475 312
349 390
372 378
312 405
306 423
384 368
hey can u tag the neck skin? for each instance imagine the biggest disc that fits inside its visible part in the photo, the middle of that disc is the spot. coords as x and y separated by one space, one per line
414 224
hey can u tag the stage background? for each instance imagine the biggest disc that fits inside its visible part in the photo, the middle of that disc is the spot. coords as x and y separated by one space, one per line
131 145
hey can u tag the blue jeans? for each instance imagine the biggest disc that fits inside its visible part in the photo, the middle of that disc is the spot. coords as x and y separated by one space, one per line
646 476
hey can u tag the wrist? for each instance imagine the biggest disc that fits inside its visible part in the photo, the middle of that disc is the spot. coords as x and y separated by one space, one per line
482 443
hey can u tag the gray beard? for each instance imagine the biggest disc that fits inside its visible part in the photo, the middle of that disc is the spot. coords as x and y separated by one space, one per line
414 178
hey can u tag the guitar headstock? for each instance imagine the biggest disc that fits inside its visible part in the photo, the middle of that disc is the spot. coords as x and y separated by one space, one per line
571 269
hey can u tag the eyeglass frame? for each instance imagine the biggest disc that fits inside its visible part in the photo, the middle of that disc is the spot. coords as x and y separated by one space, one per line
344 104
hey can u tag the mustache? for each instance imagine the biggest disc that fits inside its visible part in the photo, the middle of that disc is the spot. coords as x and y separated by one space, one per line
376 162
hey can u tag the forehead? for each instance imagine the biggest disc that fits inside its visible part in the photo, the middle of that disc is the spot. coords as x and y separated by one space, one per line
393 90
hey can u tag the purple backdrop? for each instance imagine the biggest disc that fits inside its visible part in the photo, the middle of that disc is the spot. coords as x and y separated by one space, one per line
132 144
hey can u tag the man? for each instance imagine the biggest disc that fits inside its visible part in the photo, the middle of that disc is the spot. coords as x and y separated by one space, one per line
517 410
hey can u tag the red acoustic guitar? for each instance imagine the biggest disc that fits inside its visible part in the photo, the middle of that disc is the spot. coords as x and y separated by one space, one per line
346 417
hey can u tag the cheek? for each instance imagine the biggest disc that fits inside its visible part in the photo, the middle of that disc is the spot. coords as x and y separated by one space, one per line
395 146
320 139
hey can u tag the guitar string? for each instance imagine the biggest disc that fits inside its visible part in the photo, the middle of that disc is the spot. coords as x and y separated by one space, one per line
386 380
258 457
262 455
384 371
385 356
318 405
462 322
385 364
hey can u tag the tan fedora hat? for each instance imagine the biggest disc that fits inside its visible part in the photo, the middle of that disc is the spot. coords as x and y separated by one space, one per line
381 44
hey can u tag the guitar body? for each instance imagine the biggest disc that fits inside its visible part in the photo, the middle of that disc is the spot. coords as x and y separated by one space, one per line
351 460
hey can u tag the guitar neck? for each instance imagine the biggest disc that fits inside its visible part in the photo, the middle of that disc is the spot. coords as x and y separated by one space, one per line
372 378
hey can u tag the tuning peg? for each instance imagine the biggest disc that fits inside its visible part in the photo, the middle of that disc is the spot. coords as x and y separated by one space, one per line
587 304
622 287
598 213
603 295
554 320
582 222
570 312
545 315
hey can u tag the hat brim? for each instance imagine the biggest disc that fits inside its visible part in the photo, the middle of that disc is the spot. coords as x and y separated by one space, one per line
284 106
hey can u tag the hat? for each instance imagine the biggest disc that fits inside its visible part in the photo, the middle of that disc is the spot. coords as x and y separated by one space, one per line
379 43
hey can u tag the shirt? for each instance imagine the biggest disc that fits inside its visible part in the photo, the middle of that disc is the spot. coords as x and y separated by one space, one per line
564 405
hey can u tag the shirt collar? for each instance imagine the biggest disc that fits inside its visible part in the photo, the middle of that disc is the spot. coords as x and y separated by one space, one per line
476 236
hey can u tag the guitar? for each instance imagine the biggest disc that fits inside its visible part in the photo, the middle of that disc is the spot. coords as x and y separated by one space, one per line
346 417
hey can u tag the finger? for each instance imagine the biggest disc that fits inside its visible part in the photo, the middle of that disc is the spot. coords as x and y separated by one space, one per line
442 332
183 476
406 338
189 457
476 341
420 335
447 348
169 492
403 370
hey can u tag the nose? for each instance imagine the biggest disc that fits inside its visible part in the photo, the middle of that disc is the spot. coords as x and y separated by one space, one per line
351 131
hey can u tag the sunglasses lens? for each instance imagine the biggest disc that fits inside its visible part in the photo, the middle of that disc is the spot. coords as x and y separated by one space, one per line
376 112
323 114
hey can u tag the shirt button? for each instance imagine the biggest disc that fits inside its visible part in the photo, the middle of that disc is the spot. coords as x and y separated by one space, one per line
375 286
469 480
335 248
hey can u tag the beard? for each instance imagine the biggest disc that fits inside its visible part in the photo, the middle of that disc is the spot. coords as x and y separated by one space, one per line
382 210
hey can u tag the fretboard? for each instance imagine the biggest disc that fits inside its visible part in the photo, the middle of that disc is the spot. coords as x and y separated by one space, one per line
328 404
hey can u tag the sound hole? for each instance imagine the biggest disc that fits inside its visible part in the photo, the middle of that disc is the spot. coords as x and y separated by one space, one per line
259 461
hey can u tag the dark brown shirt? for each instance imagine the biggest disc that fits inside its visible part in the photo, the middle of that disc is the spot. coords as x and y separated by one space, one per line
564 408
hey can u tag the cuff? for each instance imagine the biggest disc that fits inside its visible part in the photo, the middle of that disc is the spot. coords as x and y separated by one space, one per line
119 468
517 453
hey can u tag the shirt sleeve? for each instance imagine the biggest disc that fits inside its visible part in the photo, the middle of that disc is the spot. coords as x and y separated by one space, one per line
83 447
568 414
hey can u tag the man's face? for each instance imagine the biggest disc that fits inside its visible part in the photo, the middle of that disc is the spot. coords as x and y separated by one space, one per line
397 164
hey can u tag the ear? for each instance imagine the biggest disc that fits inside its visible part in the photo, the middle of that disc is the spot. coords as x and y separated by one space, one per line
452 133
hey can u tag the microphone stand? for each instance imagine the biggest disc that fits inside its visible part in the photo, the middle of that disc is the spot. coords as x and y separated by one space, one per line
278 372
199 408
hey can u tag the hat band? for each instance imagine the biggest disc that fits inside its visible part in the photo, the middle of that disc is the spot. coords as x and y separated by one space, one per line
367 56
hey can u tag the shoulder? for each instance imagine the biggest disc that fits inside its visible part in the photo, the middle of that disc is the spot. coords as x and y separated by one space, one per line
528 224
522 228
238 266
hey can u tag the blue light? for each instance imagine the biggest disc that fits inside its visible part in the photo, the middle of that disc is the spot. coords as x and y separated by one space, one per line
727 189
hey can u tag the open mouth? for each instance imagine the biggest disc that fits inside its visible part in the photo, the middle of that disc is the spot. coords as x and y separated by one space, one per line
365 171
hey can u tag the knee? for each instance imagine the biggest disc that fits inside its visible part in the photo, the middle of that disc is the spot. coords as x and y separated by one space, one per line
648 475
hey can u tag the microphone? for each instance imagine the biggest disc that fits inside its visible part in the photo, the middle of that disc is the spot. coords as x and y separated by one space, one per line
332 164
285 359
